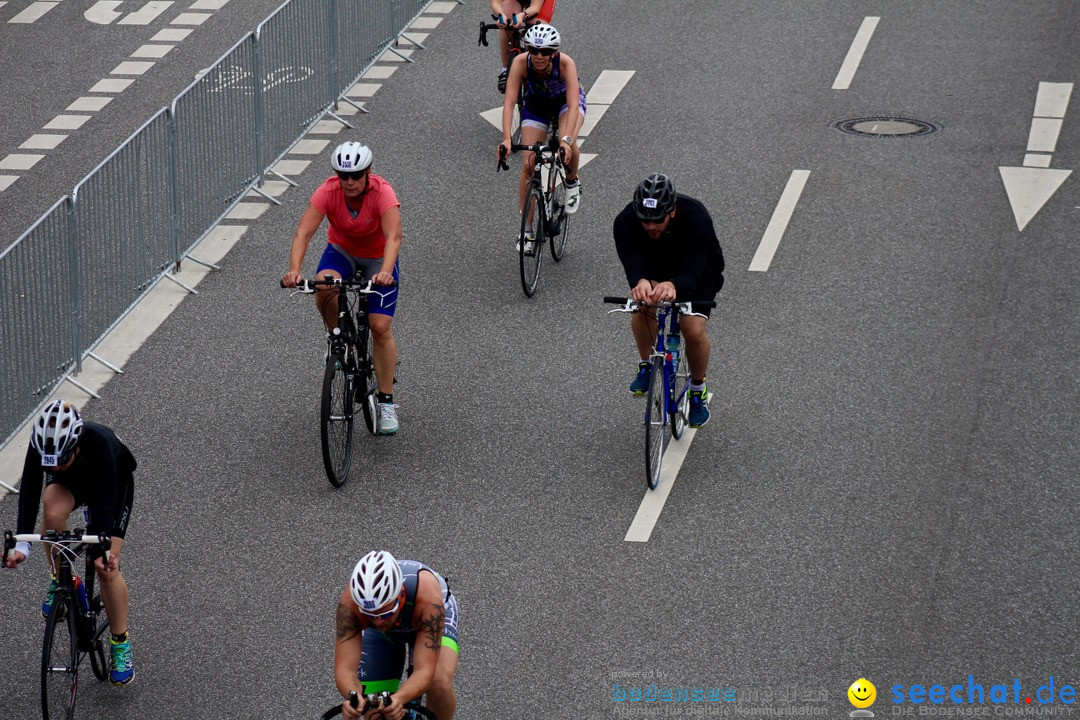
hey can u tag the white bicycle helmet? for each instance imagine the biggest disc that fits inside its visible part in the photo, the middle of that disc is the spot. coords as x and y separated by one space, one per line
542 36
56 433
376 581
350 157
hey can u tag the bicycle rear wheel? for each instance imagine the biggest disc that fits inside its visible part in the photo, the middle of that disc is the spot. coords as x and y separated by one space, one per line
337 420
366 386
560 230
59 662
530 251
99 658
655 420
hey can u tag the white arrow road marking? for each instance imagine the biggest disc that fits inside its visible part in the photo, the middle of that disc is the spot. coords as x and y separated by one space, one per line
653 502
1044 134
1052 99
1029 189
32 13
146 14
103 12
780 218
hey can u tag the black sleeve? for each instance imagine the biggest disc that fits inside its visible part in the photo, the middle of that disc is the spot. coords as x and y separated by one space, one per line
701 272
628 246
29 492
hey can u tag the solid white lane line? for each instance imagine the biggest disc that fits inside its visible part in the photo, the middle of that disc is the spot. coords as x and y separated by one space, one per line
1037 160
780 218
32 13
855 53
607 86
1044 134
653 502
1053 99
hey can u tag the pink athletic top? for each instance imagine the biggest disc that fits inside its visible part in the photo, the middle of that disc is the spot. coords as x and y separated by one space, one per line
361 236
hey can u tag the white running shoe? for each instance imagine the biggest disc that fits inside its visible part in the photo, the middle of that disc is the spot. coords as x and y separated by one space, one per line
573 198
387 423
530 245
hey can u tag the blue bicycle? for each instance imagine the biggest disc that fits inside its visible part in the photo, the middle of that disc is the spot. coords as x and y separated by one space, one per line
668 399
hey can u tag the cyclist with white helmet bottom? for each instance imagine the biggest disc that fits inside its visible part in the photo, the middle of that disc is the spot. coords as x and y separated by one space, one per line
392 612
82 464
364 235
553 93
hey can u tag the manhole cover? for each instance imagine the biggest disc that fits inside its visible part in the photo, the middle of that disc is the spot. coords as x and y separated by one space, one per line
886 127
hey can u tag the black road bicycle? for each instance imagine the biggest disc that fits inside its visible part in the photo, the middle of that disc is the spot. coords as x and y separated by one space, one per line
72 629
413 710
544 209
349 378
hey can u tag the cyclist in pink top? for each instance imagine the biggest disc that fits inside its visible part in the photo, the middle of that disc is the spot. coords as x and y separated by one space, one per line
364 236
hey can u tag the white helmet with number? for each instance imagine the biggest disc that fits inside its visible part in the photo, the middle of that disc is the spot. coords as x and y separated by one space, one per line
350 157
376 581
56 433
541 36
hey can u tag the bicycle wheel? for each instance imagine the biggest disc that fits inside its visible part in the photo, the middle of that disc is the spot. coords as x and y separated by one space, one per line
59 662
655 420
560 225
367 386
530 252
99 658
680 414
337 420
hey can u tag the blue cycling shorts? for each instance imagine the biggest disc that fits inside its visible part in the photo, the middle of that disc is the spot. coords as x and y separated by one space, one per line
346 265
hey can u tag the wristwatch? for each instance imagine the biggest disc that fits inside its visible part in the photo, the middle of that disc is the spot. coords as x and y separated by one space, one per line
568 140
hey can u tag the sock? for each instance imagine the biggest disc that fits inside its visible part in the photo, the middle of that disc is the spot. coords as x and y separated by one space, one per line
572 183
120 639
384 398
697 385
643 364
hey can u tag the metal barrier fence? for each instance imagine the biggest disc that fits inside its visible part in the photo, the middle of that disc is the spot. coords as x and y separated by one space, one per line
77 271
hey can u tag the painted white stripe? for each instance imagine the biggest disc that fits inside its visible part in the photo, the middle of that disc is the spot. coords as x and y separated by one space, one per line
593 113
67 122
131 67
3 3
112 85
147 13
440 7
360 90
379 72
780 218
855 53
653 502
172 35
608 86
309 147
152 51
190 18
32 13
248 211
20 161
1053 99
1044 134
42 142
1036 160
425 22
6 181
88 104
291 167
103 12
208 4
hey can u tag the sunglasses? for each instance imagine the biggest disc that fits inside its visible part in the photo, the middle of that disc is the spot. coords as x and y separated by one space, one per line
546 52
384 615
358 175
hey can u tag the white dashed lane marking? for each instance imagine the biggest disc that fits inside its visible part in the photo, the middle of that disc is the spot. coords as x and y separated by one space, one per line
42 141
32 13
855 54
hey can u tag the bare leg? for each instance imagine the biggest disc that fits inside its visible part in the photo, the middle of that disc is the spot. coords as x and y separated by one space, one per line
441 698
385 351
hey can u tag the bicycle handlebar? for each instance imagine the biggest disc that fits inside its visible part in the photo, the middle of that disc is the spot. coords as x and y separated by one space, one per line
52 536
371 702
634 305
535 147
309 285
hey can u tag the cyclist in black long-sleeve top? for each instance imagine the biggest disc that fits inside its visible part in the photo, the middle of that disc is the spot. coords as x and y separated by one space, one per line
82 464
669 251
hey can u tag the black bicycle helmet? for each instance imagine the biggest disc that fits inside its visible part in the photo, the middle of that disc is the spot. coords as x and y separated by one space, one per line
654 198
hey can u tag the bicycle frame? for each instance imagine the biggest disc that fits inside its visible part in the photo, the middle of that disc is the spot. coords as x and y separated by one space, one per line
545 157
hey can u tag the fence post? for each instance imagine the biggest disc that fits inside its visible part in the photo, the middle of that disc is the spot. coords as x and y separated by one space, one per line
73 270
260 110
334 40
174 185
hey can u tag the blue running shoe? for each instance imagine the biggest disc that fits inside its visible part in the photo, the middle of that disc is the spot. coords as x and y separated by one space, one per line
640 386
50 595
699 407
122 669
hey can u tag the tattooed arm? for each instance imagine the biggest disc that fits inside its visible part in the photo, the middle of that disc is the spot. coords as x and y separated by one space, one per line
347 647
430 615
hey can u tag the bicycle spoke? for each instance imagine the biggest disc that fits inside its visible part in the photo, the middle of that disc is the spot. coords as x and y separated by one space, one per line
337 420
59 663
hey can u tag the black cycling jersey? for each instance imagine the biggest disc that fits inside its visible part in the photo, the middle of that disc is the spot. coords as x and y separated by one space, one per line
688 253
99 477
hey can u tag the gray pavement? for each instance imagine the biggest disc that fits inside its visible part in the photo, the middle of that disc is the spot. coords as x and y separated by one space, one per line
887 487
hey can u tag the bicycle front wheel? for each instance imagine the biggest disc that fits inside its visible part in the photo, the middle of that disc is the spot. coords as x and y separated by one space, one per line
529 249
560 230
367 387
100 656
337 420
59 662
655 420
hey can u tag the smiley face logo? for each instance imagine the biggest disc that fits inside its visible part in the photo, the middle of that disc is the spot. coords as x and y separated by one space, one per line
862 693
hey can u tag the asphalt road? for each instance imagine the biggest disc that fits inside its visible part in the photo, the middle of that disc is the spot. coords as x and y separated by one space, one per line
887 488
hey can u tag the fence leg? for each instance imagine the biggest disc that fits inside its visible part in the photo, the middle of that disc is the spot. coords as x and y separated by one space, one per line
105 362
